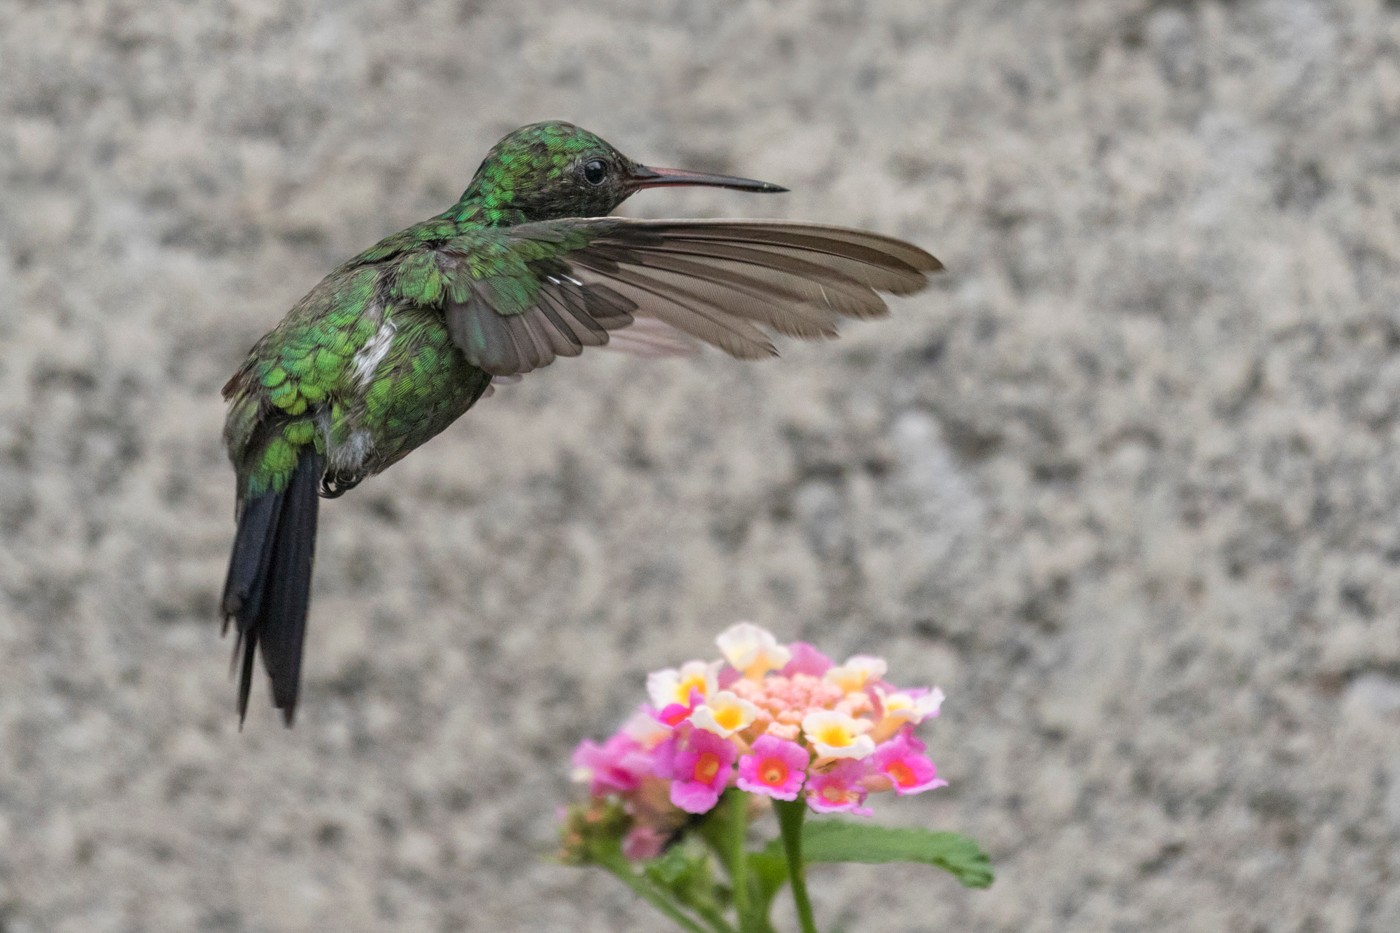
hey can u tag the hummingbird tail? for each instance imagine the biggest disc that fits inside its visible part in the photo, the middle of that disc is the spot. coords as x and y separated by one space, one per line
269 582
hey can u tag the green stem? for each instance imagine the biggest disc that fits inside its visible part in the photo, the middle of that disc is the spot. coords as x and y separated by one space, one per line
790 816
619 867
738 858
717 921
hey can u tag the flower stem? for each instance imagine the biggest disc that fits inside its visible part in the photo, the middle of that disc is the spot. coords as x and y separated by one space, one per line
646 892
738 858
790 816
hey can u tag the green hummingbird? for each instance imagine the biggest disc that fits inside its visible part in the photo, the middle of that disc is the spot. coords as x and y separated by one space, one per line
396 344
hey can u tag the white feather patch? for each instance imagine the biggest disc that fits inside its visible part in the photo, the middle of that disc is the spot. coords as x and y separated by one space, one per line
373 352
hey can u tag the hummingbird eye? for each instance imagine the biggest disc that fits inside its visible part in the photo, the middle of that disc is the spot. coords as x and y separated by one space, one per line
595 171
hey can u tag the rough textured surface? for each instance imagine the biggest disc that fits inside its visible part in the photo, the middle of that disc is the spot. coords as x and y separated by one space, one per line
1126 484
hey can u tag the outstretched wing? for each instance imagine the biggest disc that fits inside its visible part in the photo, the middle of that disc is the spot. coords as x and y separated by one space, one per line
518 297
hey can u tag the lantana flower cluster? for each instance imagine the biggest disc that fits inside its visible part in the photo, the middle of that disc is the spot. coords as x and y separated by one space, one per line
778 721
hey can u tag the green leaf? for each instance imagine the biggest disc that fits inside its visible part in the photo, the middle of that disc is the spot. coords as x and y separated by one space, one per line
841 841
686 873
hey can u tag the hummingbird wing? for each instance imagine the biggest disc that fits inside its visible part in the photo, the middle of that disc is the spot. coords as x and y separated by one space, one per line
519 297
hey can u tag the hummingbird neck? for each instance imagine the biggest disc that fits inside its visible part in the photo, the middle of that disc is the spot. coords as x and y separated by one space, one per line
476 206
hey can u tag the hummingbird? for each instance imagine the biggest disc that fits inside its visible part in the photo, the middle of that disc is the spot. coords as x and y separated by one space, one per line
397 343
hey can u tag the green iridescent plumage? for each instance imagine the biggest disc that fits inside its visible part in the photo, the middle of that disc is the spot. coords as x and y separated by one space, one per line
397 343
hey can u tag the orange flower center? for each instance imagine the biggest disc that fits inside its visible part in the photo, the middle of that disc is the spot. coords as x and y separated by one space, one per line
773 772
706 767
900 773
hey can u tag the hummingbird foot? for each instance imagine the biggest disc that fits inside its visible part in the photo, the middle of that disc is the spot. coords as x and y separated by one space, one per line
335 483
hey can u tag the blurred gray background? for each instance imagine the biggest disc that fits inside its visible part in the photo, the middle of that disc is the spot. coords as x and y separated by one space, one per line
1125 482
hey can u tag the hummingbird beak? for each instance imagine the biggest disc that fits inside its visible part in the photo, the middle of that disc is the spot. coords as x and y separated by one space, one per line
644 176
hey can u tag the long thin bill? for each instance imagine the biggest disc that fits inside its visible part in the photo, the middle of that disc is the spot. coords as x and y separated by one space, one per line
644 176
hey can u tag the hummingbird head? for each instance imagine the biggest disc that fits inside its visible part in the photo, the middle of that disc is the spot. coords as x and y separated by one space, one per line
549 170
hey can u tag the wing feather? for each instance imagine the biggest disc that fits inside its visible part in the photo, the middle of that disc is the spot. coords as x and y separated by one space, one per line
732 284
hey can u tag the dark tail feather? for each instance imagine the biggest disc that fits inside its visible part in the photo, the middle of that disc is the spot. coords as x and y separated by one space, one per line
269 583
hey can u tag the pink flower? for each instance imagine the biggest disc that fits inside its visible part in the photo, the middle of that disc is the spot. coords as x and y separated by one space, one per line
774 767
806 660
800 727
616 766
673 714
839 790
699 764
643 842
901 761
